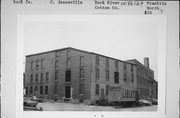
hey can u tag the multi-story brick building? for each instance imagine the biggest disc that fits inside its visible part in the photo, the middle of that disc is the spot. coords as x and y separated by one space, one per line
146 84
76 75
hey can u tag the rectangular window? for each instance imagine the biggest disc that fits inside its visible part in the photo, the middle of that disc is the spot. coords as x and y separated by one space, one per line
46 90
47 76
68 76
56 75
31 78
56 55
107 63
81 88
81 61
116 77
37 64
68 63
132 68
124 76
32 65
81 72
36 77
26 91
124 65
31 90
41 90
56 64
116 64
97 73
107 89
36 90
132 77
42 76
68 54
97 60
97 89
55 89
107 75
42 63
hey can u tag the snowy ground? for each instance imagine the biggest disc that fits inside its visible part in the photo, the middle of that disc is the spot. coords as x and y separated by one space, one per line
55 106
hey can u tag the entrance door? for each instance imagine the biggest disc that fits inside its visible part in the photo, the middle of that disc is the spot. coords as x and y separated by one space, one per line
102 93
67 92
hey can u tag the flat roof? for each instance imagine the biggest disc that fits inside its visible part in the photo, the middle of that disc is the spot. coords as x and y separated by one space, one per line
140 64
81 51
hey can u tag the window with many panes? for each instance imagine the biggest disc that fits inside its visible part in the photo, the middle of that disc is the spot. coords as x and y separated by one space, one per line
68 76
116 77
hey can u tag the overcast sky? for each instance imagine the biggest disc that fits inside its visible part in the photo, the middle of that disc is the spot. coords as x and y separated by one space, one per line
121 40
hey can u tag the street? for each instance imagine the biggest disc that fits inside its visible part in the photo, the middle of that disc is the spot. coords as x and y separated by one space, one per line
56 106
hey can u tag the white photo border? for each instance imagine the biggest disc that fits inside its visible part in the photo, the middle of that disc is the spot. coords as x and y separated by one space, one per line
162 27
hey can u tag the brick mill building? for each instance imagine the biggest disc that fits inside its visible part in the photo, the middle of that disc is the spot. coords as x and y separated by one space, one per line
71 74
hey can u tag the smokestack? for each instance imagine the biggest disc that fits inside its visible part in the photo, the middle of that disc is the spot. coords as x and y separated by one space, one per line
146 62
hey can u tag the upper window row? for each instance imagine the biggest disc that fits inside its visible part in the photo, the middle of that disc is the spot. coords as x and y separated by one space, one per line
37 64
107 63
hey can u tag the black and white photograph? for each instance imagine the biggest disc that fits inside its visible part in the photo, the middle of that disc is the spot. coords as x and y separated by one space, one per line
89 59
90 66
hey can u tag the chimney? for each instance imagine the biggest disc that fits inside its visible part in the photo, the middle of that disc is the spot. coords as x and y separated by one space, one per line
146 62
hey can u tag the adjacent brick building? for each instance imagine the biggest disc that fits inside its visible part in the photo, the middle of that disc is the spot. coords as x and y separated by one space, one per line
146 84
79 76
